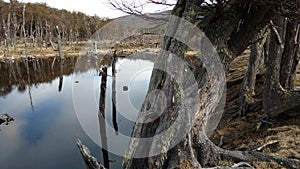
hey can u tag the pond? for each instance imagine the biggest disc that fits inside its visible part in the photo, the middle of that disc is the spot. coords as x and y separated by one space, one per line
40 97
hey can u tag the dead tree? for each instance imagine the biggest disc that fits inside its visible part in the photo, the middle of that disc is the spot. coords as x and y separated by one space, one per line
90 161
32 42
24 28
101 116
15 29
61 76
60 54
114 100
6 27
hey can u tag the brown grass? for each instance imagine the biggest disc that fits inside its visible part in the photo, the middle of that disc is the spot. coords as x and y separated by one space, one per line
38 52
241 133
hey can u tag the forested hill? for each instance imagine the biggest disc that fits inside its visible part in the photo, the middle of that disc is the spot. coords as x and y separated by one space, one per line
37 22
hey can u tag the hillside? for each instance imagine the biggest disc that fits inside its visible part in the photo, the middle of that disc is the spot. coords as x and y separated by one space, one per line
34 25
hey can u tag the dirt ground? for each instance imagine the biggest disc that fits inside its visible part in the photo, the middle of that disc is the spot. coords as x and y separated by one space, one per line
246 133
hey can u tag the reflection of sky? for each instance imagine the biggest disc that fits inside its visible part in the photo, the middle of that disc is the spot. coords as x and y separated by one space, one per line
46 137
131 73
135 74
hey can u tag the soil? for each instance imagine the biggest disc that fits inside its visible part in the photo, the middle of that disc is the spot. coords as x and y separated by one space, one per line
247 133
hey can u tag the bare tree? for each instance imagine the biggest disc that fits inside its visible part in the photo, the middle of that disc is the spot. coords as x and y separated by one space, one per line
6 27
59 43
24 28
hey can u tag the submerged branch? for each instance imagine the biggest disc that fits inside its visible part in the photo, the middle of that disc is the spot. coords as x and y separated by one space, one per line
91 162
6 119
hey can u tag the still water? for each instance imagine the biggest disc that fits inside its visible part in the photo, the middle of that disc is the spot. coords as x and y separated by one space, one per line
39 96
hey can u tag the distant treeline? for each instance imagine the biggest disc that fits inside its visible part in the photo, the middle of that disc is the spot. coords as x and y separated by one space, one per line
34 24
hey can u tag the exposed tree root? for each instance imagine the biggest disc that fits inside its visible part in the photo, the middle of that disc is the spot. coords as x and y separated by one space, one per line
218 153
254 156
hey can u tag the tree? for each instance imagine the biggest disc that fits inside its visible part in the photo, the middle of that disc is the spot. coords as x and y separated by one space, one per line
289 60
231 26
256 59
37 21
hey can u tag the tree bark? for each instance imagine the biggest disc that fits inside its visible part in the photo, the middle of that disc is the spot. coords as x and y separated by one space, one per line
15 23
255 62
61 76
113 95
24 29
60 54
290 55
6 27
195 148
276 100
90 161
101 116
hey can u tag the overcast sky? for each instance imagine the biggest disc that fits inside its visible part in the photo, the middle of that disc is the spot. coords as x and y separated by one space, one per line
92 7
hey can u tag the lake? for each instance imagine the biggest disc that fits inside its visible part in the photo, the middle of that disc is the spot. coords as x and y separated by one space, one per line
46 99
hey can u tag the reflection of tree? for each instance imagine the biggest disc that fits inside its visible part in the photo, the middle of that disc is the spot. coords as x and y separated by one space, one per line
114 101
28 83
101 116
90 161
14 73
61 75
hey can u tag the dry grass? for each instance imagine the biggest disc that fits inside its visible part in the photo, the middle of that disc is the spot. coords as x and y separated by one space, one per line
267 165
73 50
39 52
241 133
185 164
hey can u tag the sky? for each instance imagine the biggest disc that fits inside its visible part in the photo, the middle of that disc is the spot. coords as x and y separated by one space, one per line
94 7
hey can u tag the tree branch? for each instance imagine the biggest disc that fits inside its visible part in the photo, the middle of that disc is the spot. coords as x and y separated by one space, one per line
91 162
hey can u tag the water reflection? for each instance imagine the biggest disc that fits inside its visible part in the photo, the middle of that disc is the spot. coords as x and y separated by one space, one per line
61 77
101 116
32 72
113 94
47 137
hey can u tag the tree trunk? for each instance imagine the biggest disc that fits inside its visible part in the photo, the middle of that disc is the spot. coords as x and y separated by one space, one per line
15 23
61 56
289 56
6 27
24 30
32 44
248 86
61 75
101 116
195 149
114 100
276 100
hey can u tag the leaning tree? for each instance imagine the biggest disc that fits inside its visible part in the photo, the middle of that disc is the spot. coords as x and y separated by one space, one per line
231 26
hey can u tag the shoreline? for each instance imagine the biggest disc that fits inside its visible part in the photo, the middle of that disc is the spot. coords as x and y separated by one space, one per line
67 51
